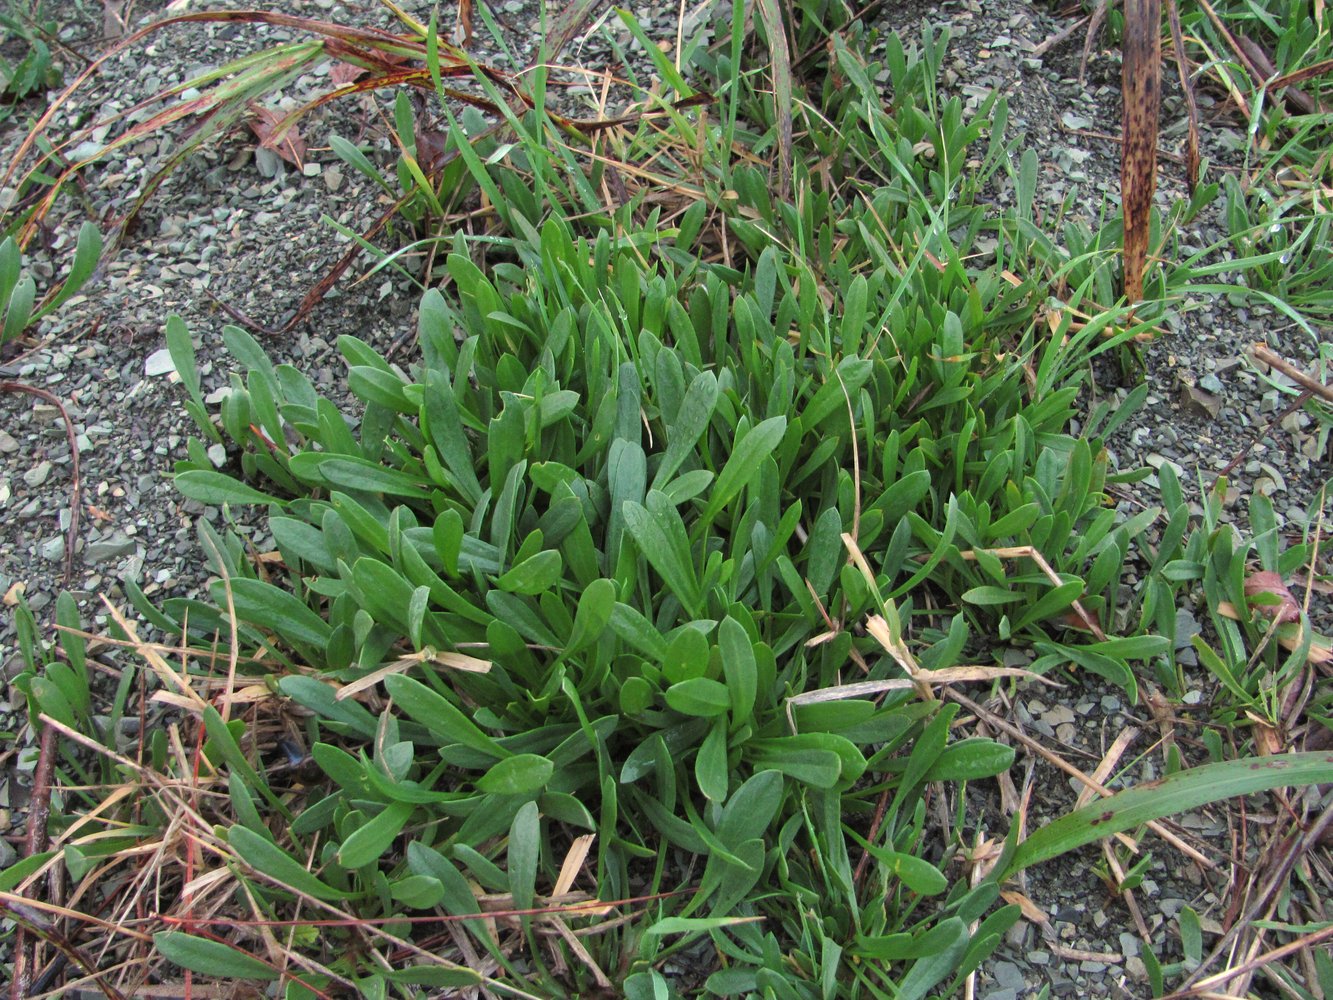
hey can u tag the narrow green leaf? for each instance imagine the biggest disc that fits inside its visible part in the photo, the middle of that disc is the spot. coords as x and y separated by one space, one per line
738 667
699 696
440 716
696 410
367 843
1176 793
216 488
593 615
518 775
524 851
210 958
270 860
747 457
659 542
970 760
181 349
534 575
710 765
271 607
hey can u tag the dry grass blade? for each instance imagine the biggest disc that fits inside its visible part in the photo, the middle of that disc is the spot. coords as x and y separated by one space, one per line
1095 21
1303 74
25 950
1278 874
1192 159
566 25
31 923
1108 764
780 53
1141 79
1241 55
464 30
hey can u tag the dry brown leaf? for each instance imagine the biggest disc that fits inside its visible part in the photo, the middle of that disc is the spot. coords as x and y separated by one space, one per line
1192 160
1141 87
344 73
1031 911
289 144
455 661
1267 740
573 863
463 32
1268 584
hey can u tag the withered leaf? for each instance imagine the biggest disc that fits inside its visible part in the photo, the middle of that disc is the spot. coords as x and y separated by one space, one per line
289 144
463 33
1269 585
1141 79
345 73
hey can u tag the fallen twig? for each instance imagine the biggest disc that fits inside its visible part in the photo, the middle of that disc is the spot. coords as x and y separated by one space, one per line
1261 353
1060 36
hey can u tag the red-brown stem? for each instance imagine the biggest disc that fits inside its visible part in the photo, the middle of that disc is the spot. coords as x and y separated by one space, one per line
39 809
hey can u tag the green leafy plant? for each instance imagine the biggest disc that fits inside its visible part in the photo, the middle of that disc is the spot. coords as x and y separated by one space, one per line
607 634
20 308
1264 640
29 69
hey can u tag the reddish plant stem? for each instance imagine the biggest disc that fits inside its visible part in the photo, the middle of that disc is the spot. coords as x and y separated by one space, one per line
39 810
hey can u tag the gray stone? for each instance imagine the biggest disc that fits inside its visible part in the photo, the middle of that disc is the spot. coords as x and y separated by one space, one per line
7 443
118 545
158 363
1009 975
1187 627
37 474
1195 402
53 549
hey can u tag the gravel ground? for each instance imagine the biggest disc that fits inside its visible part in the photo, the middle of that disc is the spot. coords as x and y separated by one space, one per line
246 228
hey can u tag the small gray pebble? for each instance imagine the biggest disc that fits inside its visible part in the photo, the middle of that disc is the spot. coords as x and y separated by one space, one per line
37 474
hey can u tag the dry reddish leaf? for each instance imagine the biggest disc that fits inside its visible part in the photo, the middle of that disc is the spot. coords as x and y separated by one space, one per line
463 33
1270 584
432 147
345 73
289 145
1072 619
1141 87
